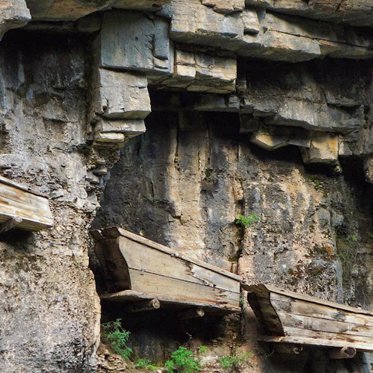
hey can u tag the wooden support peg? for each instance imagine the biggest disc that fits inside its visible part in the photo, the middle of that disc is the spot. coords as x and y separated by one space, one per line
342 353
289 349
10 224
193 313
142 306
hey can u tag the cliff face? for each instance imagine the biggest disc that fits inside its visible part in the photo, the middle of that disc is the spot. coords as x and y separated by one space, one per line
49 308
256 107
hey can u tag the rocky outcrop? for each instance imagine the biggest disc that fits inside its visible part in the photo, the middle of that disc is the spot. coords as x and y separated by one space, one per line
357 13
13 14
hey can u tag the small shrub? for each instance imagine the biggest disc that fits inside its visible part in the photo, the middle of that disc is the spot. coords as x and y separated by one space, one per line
145 364
182 361
233 361
247 220
202 349
117 338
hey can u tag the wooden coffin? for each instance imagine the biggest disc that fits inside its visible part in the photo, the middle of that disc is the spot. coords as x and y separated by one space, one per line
288 317
137 269
22 208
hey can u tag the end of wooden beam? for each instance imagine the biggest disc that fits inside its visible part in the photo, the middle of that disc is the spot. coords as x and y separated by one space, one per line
142 306
193 313
10 224
342 353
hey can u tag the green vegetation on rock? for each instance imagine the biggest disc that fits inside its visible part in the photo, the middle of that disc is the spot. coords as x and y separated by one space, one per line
182 361
117 338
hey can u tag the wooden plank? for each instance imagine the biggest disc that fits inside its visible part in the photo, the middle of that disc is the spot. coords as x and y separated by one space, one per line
148 259
265 313
19 202
320 325
304 336
130 296
114 265
4 180
316 300
348 339
174 253
304 308
181 291
316 341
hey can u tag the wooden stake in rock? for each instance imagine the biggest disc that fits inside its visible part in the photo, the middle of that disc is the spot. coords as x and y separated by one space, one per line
342 353
148 305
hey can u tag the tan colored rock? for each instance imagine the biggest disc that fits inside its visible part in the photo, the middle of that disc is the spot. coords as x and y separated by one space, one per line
250 21
71 10
323 149
110 137
195 23
201 72
64 10
13 14
138 4
275 138
129 127
121 95
225 6
353 12
274 37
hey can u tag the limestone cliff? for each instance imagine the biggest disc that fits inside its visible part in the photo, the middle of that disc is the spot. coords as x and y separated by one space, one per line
171 118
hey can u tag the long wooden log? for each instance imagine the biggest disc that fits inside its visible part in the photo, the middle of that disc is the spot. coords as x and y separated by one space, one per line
342 353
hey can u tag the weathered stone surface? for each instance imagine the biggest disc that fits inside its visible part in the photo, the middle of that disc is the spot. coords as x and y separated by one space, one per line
64 10
152 5
277 37
302 97
133 41
49 309
201 72
129 127
71 10
120 95
355 12
13 14
323 149
250 21
225 6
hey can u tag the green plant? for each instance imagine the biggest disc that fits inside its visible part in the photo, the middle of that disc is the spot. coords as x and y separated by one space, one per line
117 338
233 361
182 361
145 364
247 220
202 349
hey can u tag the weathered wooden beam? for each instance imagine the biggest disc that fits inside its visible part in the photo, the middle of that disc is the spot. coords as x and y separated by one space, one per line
193 313
10 224
18 201
342 353
147 305
137 264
